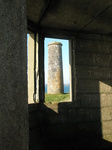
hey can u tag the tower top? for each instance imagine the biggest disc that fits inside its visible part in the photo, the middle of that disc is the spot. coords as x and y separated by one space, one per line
55 43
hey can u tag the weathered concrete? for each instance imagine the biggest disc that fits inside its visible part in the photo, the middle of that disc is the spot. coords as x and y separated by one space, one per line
73 15
55 68
33 75
13 76
31 68
94 88
85 122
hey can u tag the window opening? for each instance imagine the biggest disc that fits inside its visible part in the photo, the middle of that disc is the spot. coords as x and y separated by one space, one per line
52 64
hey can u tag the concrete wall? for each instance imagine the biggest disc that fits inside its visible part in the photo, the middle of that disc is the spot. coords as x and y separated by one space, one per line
31 68
33 91
94 87
13 76
86 122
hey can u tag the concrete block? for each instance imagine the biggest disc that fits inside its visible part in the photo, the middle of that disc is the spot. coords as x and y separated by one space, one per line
93 59
84 59
87 86
94 86
72 116
88 114
55 119
106 127
106 113
107 137
106 100
63 131
89 129
86 72
89 100
105 86
94 43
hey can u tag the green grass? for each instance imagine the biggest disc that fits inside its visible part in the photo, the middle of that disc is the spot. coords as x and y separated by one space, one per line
57 97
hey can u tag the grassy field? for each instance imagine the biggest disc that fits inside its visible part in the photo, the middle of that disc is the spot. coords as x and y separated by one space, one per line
57 97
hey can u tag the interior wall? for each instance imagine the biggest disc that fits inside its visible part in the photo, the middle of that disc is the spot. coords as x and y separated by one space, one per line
13 76
94 87
33 71
85 122
31 68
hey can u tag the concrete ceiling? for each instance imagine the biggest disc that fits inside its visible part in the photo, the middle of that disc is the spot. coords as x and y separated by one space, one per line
93 16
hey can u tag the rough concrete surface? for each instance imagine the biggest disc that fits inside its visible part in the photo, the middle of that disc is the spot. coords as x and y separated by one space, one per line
13 76
84 123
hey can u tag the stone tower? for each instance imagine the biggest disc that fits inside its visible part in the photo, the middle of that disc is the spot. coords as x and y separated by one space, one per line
55 68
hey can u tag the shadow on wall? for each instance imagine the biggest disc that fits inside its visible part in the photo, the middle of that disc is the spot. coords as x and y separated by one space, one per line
65 126
87 122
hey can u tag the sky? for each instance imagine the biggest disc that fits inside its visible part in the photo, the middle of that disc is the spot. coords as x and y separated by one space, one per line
65 58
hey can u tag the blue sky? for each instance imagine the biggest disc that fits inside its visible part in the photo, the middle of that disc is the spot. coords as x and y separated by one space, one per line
65 57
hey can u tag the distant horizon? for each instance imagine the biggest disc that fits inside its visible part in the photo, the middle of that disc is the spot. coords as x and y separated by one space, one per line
63 84
66 88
